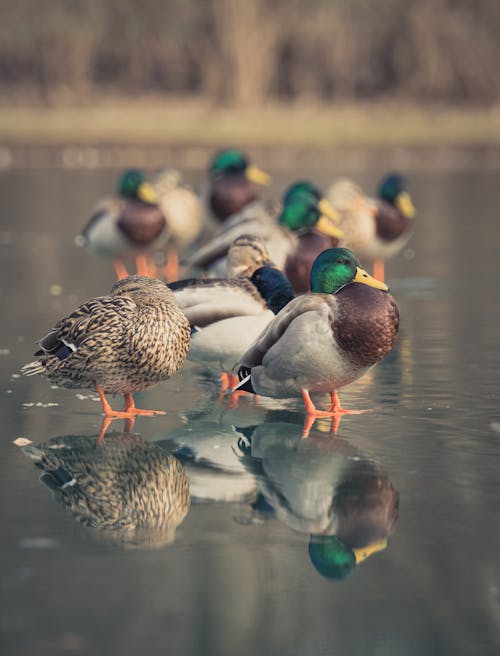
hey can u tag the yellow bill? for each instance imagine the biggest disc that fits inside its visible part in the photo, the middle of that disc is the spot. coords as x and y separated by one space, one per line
367 279
405 205
363 553
257 175
326 208
147 193
326 225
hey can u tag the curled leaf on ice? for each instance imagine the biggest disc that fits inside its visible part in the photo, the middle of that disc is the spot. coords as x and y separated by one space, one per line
22 441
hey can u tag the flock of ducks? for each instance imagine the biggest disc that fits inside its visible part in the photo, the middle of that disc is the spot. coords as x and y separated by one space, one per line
277 302
283 308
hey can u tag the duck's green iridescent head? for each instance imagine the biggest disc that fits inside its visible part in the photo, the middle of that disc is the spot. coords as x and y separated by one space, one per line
133 184
331 557
302 187
233 162
336 560
302 209
305 188
393 190
337 267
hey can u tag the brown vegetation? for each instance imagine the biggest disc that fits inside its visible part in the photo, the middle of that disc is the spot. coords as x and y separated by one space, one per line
246 52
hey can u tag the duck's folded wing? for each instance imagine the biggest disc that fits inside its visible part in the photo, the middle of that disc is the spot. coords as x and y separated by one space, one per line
205 301
277 328
96 315
219 245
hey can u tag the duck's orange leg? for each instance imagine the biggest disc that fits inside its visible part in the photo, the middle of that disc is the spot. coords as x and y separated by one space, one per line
129 411
142 265
120 269
335 411
172 265
379 270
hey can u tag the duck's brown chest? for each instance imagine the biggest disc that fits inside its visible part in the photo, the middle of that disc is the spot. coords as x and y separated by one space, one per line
366 324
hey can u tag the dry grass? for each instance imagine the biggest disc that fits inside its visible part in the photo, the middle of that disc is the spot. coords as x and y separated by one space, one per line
154 122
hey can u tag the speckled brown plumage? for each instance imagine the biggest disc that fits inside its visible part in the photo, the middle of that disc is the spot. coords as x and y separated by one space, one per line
142 223
124 342
229 194
366 324
134 492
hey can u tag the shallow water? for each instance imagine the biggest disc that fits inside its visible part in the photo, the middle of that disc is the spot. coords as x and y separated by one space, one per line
237 577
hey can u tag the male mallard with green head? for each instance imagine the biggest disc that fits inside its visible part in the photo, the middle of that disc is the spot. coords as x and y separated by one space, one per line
325 339
119 344
325 488
304 214
375 229
130 222
233 183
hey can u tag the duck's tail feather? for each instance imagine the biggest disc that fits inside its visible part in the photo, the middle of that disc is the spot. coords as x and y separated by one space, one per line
32 368
245 384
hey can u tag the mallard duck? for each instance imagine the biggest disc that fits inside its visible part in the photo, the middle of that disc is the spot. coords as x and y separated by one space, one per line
325 339
207 449
119 344
233 183
129 223
132 491
324 488
304 217
226 315
374 229
184 213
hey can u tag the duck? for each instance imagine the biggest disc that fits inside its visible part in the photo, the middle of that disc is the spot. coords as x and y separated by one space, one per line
227 314
129 223
305 221
325 488
118 344
374 229
233 183
184 213
132 492
325 339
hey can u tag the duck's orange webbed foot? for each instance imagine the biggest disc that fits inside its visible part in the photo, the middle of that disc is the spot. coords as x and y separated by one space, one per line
335 411
130 409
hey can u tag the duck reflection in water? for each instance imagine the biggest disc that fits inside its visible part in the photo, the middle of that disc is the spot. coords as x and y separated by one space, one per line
132 491
323 487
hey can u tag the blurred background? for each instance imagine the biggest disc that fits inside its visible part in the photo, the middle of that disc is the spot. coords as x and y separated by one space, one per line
296 72
243 53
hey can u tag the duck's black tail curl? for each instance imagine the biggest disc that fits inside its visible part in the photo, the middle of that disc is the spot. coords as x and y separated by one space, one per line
245 384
